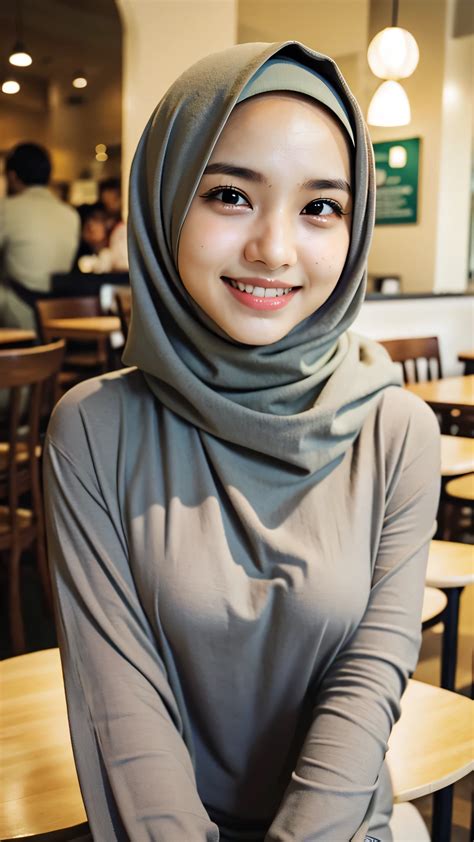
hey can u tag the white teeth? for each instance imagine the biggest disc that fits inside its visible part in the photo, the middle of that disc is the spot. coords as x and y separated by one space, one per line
260 292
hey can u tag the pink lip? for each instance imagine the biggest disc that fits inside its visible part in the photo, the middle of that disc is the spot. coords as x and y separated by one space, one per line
255 303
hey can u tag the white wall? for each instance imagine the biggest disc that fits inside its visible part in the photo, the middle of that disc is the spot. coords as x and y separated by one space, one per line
450 318
161 39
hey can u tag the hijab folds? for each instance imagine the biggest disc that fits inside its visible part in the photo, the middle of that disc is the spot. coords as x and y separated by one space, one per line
278 413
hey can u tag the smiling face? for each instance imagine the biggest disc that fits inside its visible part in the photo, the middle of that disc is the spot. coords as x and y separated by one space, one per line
266 236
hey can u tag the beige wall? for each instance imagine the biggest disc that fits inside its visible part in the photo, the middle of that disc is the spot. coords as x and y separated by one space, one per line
161 39
337 27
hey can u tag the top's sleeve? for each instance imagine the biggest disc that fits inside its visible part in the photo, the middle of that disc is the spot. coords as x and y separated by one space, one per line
134 768
359 700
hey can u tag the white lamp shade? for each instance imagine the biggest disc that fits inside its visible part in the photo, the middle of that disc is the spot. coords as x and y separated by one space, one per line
20 59
393 53
389 106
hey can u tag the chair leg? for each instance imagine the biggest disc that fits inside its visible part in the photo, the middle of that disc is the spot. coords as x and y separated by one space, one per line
17 629
442 815
450 638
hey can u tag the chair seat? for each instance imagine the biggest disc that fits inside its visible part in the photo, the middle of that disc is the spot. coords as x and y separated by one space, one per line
434 603
407 825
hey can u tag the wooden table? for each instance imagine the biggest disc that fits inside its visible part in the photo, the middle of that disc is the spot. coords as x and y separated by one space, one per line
39 790
86 328
447 393
457 456
12 337
467 357
429 748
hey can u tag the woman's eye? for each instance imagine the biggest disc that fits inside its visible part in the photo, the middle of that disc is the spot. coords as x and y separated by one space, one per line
323 207
227 196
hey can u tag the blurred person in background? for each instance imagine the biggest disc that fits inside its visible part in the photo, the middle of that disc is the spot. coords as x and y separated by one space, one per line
39 235
110 196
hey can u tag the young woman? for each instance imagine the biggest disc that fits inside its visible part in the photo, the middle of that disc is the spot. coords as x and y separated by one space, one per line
239 524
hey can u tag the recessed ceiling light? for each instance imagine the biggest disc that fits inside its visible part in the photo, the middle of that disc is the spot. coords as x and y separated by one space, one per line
101 147
102 156
79 82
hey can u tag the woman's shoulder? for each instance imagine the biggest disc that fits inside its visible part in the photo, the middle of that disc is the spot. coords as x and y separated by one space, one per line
407 425
99 409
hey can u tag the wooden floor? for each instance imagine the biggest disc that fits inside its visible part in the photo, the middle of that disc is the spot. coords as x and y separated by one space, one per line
41 635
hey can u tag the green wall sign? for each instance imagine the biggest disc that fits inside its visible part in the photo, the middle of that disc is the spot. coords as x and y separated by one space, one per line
396 171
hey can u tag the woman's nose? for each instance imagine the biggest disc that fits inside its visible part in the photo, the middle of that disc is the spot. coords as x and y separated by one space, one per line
272 242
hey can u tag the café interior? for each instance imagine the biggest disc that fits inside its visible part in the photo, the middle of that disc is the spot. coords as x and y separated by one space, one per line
93 73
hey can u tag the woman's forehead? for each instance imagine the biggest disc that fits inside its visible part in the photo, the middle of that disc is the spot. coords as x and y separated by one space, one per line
285 122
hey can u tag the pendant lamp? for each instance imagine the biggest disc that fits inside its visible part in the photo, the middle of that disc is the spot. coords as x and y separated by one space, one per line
19 56
393 54
389 106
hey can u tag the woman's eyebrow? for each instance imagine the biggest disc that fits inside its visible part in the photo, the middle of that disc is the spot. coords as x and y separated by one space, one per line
232 169
253 175
328 184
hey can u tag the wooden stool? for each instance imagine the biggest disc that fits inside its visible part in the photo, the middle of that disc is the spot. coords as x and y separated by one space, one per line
429 749
434 604
460 494
450 567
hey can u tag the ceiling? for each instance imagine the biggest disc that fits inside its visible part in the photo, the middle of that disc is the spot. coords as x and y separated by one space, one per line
63 38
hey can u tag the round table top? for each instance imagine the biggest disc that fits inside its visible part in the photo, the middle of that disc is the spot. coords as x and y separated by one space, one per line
39 790
457 455
39 793
434 602
13 336
450 565
448 392
82 327
462 487
431 746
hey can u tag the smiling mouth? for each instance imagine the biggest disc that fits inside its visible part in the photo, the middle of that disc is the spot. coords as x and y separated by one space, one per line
257 291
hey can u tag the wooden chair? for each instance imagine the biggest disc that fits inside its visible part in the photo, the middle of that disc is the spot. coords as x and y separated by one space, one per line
82 359
123 301
450 568
411 352
20 454
429 748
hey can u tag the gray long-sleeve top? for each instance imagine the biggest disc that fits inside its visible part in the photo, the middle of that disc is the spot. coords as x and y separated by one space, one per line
233 671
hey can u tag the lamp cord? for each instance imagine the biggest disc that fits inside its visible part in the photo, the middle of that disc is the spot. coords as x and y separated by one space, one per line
394 12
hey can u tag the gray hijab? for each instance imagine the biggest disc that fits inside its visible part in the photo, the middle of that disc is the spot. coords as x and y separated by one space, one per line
286 411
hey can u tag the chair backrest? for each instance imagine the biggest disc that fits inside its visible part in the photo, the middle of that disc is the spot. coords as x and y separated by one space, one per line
66 308
409 352
123 300
24 373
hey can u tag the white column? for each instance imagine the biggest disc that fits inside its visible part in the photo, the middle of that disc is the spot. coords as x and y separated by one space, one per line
454 201
161 38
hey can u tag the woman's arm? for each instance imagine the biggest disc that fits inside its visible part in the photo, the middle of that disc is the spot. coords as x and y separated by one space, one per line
359 699
135 771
